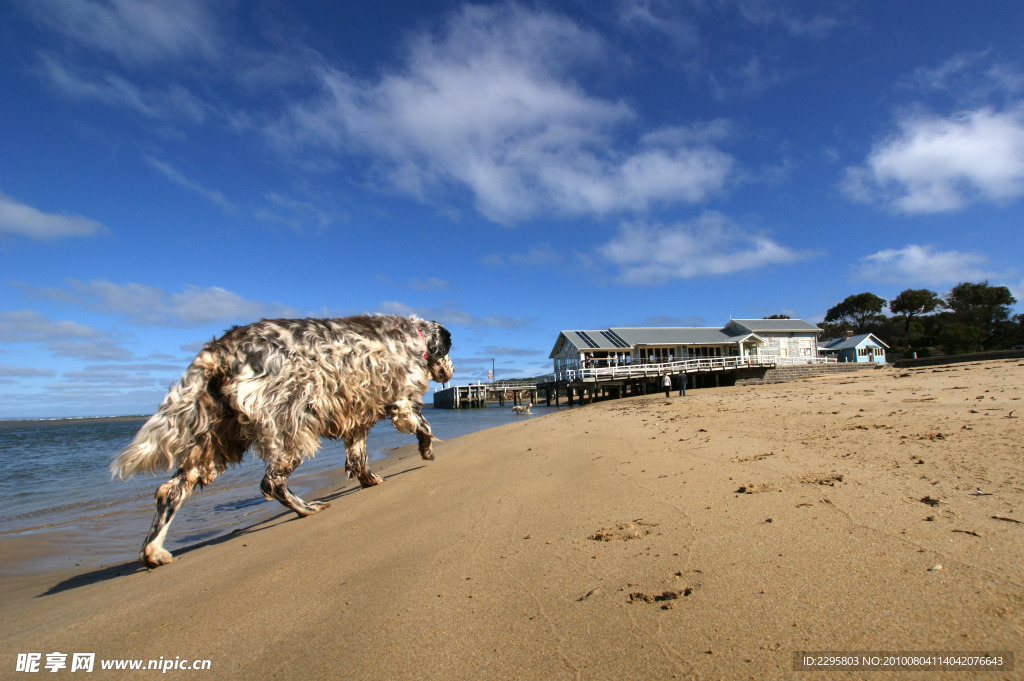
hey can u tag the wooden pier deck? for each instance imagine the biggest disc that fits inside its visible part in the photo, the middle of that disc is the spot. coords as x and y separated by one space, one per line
592 383
615 381
479 394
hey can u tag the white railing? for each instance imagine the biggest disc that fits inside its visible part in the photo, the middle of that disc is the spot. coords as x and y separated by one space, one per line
797 361
681 366
513 383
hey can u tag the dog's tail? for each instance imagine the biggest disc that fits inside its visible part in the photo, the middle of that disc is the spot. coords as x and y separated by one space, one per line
181 425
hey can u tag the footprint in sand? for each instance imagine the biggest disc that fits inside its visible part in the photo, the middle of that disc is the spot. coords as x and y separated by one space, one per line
637 529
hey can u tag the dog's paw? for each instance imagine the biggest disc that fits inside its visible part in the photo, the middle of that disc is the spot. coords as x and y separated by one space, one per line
370 479
311 507
154 558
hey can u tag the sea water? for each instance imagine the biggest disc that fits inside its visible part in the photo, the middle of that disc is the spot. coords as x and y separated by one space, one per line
56 480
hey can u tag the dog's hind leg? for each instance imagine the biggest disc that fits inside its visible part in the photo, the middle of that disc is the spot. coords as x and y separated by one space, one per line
355 463
169 498
275 486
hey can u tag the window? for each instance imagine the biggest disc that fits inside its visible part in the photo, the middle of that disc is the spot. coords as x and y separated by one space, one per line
863 352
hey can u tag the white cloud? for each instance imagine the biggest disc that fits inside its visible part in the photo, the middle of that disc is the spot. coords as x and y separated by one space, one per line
766 13
428 284
197 306
21 219
924 266
97 351
969 76
950 73
489 105
135 31
62 338
663 18
512 352
25 372
172 102
20 326
541 255
451 315
1017 290
175 176
297 213
686 37
150 306
936 164
748 80
708 246
698 134
122 375
678 21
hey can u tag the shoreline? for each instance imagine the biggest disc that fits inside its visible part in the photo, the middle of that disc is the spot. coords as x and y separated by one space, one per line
87 543
707 536
75 419
94 521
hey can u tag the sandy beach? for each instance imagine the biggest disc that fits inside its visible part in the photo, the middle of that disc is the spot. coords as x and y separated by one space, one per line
711 536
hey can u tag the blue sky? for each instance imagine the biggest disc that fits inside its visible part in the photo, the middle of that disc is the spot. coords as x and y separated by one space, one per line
168 170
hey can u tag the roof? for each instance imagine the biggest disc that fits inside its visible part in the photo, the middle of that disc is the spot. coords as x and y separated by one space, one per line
849 343
625 338
677 335
774 325
590 340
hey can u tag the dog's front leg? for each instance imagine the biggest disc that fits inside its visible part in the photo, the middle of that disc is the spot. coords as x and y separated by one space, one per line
425 437
407 417
404 415
355 463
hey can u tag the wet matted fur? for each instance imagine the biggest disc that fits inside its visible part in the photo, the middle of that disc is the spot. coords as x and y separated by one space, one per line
277 387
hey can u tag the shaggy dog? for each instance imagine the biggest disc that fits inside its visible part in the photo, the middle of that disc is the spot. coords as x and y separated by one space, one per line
523 409
278 386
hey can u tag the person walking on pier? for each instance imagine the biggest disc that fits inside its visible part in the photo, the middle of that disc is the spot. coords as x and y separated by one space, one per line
666 383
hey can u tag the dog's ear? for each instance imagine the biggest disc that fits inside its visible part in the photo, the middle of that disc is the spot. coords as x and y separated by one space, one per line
439 341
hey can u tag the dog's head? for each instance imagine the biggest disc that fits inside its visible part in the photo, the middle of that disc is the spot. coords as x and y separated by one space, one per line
439 342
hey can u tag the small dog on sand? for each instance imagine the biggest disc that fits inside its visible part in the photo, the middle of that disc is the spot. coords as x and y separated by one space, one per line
278 386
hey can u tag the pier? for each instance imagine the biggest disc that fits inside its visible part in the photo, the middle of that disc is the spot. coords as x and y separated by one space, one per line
479 394
587 385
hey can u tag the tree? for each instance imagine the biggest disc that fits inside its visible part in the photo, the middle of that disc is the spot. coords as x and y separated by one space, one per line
912 303
833 329
960 337
861 311
778 316
981 305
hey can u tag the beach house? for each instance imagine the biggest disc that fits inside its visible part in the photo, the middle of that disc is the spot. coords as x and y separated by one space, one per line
865 347
790 340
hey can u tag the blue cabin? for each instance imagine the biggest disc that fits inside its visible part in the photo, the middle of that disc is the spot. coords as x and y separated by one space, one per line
866 347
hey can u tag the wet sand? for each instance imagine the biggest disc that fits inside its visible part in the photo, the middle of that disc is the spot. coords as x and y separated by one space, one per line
711 536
